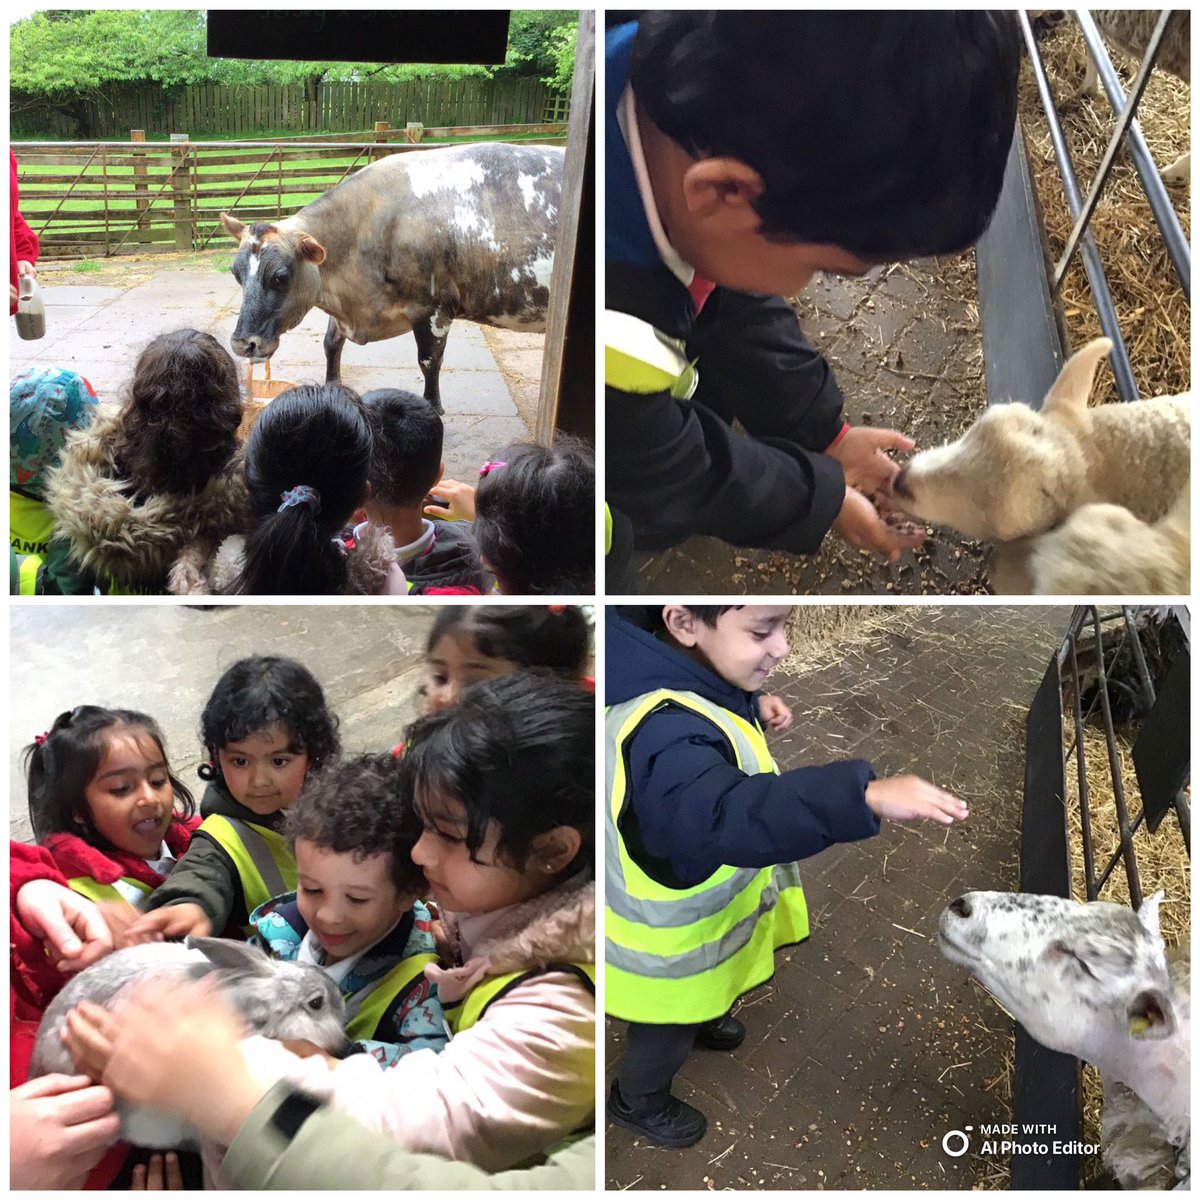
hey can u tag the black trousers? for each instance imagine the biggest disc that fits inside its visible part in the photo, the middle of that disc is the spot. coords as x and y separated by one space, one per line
653 1054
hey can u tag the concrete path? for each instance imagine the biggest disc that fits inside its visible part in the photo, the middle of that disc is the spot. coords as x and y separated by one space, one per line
867 1046
99 330
164 660
905 347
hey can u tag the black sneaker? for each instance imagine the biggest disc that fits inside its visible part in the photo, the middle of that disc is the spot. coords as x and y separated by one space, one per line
671 1124
726 1033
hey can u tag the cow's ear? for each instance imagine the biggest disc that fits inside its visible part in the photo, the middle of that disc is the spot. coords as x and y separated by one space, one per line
310 250
233 226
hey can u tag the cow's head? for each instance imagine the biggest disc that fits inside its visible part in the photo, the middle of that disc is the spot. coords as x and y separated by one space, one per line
279 270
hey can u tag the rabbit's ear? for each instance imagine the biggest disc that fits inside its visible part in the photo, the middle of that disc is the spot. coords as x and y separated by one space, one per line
233 956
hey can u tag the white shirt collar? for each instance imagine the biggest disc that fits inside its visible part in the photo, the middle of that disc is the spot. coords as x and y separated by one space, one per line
627 119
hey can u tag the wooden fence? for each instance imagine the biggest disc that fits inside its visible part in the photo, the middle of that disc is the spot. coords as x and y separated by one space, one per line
216 109
87 200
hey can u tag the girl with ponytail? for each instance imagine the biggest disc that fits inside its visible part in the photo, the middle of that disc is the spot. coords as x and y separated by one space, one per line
306 472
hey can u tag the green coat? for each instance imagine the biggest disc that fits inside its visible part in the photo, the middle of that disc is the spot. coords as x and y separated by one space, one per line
332 1151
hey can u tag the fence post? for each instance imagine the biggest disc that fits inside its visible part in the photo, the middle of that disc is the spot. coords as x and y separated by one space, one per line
179 191
140 188
414 131
381 132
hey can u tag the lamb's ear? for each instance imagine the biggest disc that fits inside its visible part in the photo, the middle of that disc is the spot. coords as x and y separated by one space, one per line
1074 383
1148 913
1151 1014
234 956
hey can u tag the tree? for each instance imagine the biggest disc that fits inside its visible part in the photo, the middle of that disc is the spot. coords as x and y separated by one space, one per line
535 41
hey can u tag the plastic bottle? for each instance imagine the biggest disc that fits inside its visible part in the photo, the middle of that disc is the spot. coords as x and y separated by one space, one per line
31 310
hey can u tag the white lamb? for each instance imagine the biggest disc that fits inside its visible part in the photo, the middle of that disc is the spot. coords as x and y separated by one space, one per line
1017 474
1093 980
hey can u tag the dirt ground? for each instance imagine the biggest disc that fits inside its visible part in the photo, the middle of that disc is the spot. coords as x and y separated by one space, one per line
867 1047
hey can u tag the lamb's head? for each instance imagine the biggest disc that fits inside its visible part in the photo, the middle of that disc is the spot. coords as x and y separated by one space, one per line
1081 978
1015 472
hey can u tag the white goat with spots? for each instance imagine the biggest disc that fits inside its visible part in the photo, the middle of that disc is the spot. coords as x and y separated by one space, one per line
1093 980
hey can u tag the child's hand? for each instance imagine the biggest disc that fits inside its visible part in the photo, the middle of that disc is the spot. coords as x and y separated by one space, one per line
911 798
773 713
171 1048
162 1174
861 453
71 925
170 921
861 525
459 498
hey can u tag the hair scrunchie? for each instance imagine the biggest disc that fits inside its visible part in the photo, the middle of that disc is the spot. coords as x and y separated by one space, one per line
301 494
489 467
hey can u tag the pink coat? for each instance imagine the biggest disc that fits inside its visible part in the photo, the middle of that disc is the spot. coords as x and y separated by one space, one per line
511 1086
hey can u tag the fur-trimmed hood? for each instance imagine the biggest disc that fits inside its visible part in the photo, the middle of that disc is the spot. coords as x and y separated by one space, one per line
134 542
370 561
557 926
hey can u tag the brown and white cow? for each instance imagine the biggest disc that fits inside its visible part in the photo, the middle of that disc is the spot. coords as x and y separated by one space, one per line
410 242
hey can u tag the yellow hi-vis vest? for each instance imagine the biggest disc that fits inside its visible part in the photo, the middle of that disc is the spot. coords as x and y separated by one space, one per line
466 1012
125 888
366 1009
30 524
264 864
682 956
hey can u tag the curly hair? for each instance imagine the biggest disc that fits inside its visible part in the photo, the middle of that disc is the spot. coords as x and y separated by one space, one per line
261 691
555 638
60 766
355 806
535 519
518 750
179 428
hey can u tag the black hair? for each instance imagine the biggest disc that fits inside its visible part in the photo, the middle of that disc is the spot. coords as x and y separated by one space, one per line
261 691
355 806
518 750
535 519
883 132
554 637
317 437
406 452
649 616
59 767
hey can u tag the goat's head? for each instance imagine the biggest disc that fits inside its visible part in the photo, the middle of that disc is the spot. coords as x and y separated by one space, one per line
1076 976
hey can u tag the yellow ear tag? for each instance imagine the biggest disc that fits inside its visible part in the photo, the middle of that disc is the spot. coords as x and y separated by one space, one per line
1138 1026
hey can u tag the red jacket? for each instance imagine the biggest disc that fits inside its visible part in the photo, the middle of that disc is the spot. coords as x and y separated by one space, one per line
23 243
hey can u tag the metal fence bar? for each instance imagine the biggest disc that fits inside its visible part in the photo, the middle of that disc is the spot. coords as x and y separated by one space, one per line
1097 280
1085 815
1175 240
1124 120
1114 765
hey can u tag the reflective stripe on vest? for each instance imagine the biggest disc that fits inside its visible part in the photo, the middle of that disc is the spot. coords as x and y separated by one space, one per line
129 890
684 955
475 1003
367 1008
641 359
27 573
264 864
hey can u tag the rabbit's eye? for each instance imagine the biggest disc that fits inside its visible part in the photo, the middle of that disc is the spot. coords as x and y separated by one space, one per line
317 1003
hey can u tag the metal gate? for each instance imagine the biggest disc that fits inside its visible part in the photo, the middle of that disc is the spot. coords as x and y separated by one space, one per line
1101 647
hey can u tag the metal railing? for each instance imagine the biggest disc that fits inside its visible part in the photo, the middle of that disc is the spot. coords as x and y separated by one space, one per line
1128 133
1046 1086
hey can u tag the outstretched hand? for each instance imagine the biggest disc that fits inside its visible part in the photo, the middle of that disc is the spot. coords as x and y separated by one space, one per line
459 501
170 921
59 1127
774 713
861 453
911 798
861 525
72 926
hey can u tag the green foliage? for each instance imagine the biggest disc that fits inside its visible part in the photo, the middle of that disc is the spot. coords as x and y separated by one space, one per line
562 49
533 40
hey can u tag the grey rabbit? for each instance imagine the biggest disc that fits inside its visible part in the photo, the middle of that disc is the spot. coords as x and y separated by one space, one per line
282 1000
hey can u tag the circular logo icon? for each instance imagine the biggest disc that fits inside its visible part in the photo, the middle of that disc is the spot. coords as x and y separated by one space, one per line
956 1143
